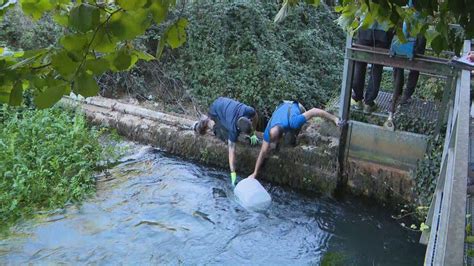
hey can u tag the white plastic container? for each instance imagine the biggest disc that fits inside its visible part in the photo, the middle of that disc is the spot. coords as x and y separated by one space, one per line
252 195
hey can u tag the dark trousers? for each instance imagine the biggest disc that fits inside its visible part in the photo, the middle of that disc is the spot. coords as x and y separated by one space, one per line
219 130
399 78
374 38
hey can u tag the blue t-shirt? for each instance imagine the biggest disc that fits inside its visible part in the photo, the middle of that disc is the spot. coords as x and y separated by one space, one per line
280 118
228 112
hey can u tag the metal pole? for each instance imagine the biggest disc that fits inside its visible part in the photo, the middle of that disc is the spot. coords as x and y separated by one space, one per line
344 108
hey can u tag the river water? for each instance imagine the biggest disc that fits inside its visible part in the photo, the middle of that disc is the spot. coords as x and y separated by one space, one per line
159 209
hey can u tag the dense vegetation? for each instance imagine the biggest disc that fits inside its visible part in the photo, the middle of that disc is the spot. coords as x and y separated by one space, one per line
235 49
47 159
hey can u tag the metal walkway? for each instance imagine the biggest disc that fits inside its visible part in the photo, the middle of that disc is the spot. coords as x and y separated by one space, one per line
415 108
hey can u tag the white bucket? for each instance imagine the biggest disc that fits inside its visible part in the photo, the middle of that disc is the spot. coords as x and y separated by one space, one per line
252 195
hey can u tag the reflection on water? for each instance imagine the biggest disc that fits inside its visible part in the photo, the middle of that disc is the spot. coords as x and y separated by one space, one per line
159 209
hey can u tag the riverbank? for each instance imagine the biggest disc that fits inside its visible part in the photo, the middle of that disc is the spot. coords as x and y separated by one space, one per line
312 165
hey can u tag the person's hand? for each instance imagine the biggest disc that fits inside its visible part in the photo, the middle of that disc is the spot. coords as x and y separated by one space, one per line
233 178
253 140
340 123
470 56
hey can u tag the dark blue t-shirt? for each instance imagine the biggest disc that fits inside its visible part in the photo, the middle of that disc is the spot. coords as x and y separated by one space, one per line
228 112
280 118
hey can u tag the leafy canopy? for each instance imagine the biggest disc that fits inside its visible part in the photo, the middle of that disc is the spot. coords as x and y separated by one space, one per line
98 38
432 18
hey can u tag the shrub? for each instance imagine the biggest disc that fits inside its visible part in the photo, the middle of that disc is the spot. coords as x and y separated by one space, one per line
235 50
47 159
18 31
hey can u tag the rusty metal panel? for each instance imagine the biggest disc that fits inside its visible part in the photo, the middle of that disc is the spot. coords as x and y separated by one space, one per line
375 144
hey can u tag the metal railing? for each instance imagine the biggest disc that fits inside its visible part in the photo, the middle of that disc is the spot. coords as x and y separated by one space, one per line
446 217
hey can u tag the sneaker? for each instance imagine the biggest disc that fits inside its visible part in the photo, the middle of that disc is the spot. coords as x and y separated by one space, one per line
368 109
357 105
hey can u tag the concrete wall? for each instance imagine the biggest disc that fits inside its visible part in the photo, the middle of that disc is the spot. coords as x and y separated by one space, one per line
312 165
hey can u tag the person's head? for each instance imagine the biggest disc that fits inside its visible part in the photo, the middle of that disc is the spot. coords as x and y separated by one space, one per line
201 126
244 125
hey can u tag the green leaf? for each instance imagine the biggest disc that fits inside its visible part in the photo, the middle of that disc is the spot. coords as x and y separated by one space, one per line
424 227
75 42
143 55
51 95
85 85
97 66
312 2
159 11
5 91
128 25
63 64
104 41
61 19
470 253
161 47
470 239
84 17
438 44
131 4
176 33
16 95
36 8
123 60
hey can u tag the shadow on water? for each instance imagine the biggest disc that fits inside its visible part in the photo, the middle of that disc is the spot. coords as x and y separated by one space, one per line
155 208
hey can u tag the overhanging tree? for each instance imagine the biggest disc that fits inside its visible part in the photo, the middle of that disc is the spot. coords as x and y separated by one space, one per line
98 38
435 19
99 33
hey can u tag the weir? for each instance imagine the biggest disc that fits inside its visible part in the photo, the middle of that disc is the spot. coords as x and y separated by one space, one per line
363 143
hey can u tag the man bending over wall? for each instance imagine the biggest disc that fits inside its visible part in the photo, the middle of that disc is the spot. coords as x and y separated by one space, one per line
286 121
228 118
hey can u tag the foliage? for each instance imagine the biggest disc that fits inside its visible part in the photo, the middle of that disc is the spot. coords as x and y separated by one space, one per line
47 159
98 38
235 50
430 18
18 31
427 171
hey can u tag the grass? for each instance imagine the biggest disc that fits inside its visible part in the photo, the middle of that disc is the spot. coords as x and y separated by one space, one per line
47 159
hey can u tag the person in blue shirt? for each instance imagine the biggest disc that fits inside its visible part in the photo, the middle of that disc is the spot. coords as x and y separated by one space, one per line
228 118
289 117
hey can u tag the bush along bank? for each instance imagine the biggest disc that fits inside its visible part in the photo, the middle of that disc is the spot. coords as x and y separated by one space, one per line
47 159
236 50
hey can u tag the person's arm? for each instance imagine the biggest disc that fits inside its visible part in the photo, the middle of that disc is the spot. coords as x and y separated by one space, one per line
261 157
231 156
315 112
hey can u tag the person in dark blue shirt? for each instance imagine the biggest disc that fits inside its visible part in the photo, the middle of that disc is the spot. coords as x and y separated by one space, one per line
228 118
289 117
